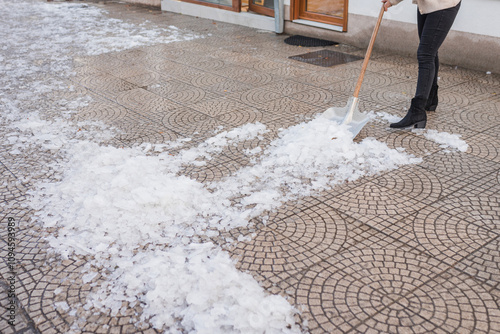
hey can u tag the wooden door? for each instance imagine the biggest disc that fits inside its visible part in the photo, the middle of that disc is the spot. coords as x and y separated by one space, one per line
332 12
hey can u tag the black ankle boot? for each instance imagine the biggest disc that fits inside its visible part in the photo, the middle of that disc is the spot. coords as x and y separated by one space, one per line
432 101
416 116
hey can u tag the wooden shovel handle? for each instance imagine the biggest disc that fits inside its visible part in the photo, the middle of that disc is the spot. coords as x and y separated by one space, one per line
368 53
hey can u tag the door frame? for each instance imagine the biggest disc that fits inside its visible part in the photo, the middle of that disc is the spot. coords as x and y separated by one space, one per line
337 21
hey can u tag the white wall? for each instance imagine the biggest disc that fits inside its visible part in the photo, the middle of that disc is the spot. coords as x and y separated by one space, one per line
475 16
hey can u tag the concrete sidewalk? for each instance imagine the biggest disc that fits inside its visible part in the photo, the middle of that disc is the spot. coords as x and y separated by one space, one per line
414 250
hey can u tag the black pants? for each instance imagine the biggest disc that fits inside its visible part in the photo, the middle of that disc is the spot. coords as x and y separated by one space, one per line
432 31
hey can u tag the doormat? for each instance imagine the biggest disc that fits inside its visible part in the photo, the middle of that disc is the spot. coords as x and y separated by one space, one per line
326 58
307 41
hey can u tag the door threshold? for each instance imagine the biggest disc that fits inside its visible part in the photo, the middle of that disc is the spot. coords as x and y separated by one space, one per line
318 25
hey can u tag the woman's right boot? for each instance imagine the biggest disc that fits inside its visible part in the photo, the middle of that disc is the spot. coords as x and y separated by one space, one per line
416 116
432 101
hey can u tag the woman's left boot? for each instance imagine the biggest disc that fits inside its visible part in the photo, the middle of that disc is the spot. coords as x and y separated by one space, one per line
416 116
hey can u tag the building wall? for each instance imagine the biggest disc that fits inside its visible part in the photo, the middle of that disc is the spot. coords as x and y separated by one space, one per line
476 16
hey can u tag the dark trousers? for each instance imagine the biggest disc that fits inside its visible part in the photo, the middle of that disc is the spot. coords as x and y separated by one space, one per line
432 31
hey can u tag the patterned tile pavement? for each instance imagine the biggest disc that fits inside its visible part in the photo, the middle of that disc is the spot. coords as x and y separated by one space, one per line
414 250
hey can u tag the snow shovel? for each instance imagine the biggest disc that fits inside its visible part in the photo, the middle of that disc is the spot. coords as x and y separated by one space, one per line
350 114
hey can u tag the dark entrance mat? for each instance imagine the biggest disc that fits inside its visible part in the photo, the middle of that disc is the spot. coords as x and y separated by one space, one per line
326 58
308 41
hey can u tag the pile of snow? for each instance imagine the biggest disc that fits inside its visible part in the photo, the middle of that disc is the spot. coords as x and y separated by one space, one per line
195 288
446 140
55 24
304 160
385 117
136 218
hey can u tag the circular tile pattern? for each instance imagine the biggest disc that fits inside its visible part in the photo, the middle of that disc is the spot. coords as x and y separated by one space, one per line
459 304
144 101
263 65
145 78
166 67
105 83
241 117
244 149
103 111
369 202
168 87
33 167
134 55
245 75
127 71
445 237
453 100
286 87
345 291
402 72
484 264
485 146
103 62
258 96
390 98
316 96
190 123
212 172
373 79
475 120
218 107
454 168
414 182
207 79
288 71
482 209
212 64
293 243
11 187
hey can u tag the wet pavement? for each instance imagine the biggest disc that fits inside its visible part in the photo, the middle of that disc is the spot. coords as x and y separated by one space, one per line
413 250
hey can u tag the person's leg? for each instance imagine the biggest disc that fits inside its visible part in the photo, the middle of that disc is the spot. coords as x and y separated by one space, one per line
432 100
433 29
421 18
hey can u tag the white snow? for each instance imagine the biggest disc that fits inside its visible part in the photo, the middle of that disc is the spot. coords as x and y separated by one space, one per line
445 139
138 219
382 116
62 306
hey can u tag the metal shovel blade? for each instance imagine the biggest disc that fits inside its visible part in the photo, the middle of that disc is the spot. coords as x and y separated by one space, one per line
349 115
